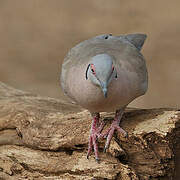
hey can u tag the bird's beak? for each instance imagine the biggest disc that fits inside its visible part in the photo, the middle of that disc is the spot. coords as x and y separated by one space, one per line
104 89
105 92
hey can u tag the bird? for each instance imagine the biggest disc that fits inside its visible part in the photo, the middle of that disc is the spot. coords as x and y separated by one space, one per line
104 74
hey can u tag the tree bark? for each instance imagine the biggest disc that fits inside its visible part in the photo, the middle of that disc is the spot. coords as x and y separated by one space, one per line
45 138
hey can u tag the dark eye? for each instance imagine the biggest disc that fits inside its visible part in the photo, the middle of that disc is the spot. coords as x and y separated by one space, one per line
93 69
106 37
113 71
112 68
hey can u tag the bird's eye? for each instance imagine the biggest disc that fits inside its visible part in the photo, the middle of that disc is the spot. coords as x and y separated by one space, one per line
93 69
106 37
113 71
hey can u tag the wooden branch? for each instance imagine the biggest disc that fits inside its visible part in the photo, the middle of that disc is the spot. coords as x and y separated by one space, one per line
46 138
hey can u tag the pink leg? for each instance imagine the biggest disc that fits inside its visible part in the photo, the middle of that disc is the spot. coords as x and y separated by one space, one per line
94 134
114 126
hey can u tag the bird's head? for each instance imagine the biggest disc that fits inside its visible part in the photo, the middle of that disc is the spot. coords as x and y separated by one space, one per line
101 71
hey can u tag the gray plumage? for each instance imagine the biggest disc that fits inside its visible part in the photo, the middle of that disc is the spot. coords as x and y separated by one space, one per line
128 80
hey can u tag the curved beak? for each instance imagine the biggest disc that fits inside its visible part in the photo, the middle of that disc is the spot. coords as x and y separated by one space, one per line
105 92
104 89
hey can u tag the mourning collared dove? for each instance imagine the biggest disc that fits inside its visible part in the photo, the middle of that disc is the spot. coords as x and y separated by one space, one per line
102 74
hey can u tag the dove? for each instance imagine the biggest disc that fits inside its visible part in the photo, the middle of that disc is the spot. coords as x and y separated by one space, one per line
104 74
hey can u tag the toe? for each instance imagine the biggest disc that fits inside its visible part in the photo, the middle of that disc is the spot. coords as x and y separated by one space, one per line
109 137
122 131
94 139
104 150
90 145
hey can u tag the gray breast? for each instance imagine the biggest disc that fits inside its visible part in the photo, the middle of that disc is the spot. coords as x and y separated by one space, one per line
128 61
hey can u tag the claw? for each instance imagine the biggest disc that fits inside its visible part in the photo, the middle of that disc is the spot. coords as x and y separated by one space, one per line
114 126
126 135
97 160
96 129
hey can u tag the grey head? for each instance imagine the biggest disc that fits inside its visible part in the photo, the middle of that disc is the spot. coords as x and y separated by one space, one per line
101 71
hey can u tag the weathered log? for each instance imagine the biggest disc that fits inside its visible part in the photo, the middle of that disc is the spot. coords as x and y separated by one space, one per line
45 138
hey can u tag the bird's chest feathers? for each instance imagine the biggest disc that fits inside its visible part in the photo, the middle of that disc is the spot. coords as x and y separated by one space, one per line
90 96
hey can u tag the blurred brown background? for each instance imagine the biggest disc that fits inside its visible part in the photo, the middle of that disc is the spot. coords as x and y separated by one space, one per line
35 35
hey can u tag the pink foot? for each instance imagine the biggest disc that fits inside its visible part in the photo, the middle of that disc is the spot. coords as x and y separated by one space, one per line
114 126
94 134
109 134
96 129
